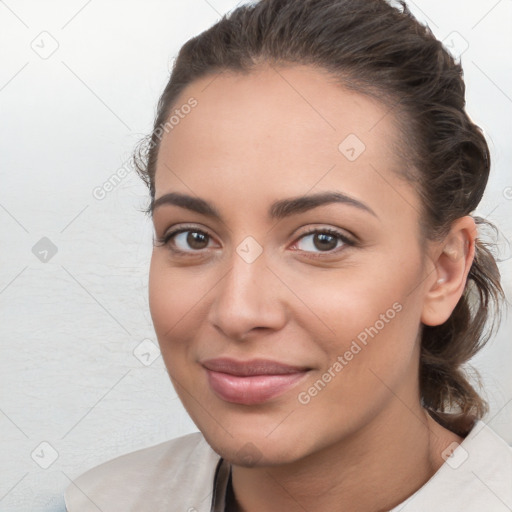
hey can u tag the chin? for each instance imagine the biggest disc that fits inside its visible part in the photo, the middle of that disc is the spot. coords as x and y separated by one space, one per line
247 448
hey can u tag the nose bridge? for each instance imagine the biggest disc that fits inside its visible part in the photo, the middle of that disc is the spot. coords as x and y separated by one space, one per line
246 298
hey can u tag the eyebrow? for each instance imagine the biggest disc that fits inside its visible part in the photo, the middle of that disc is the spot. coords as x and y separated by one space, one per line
278 210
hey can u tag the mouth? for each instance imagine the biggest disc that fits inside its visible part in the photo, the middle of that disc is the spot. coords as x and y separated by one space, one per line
251 382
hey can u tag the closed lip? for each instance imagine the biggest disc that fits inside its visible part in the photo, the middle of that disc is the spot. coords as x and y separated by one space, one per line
251 382
251 367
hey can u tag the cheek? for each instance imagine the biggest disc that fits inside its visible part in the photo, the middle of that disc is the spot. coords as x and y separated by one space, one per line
366 315
174 299
372 355
346 301
173 290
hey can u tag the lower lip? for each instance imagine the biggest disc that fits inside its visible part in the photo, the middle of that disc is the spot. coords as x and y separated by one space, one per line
251 390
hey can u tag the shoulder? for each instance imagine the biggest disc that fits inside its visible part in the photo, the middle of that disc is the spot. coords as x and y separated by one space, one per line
174 475
476 476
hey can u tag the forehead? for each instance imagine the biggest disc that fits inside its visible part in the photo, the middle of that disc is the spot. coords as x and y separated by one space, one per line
291 128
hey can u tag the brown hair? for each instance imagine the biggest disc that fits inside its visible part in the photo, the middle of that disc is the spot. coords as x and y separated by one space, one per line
382 51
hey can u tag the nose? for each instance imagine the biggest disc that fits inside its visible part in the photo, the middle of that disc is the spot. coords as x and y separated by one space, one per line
248 299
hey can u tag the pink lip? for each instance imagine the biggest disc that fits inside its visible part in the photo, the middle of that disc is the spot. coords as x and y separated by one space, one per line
251 382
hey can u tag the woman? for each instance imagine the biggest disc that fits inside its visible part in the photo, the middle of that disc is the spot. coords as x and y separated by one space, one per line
317 280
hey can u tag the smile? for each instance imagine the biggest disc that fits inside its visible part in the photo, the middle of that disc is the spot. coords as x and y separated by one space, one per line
251 382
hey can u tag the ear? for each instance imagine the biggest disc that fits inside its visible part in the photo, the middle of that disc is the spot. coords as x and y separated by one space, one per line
452 260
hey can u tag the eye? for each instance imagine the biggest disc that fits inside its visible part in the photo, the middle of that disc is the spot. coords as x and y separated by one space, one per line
189 240
325 240
185 240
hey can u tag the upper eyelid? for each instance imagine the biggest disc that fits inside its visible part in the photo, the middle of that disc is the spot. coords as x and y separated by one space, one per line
185 228
339 231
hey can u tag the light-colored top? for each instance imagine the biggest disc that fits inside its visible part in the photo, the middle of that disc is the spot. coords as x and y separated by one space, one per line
186 475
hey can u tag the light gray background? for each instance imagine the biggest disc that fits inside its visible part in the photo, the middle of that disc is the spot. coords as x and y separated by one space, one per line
70 325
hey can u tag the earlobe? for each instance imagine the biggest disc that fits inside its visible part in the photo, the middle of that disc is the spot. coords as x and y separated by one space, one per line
453 259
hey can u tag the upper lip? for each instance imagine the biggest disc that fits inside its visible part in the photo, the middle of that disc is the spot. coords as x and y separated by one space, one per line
250 367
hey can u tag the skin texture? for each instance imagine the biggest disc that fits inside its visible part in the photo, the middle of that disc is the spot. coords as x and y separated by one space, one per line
362 443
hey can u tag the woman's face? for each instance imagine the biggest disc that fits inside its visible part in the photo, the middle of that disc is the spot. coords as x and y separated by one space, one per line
288 317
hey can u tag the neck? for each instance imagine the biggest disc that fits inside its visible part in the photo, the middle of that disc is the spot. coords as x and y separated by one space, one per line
375 469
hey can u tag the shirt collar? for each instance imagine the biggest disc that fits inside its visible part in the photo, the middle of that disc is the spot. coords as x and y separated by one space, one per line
221 485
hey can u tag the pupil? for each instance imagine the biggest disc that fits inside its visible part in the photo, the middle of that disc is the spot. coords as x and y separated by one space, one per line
324 238
197 240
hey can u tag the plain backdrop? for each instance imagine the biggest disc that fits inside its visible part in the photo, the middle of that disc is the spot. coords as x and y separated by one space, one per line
81 380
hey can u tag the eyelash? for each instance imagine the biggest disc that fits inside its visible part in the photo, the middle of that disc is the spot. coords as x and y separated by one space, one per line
163 241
